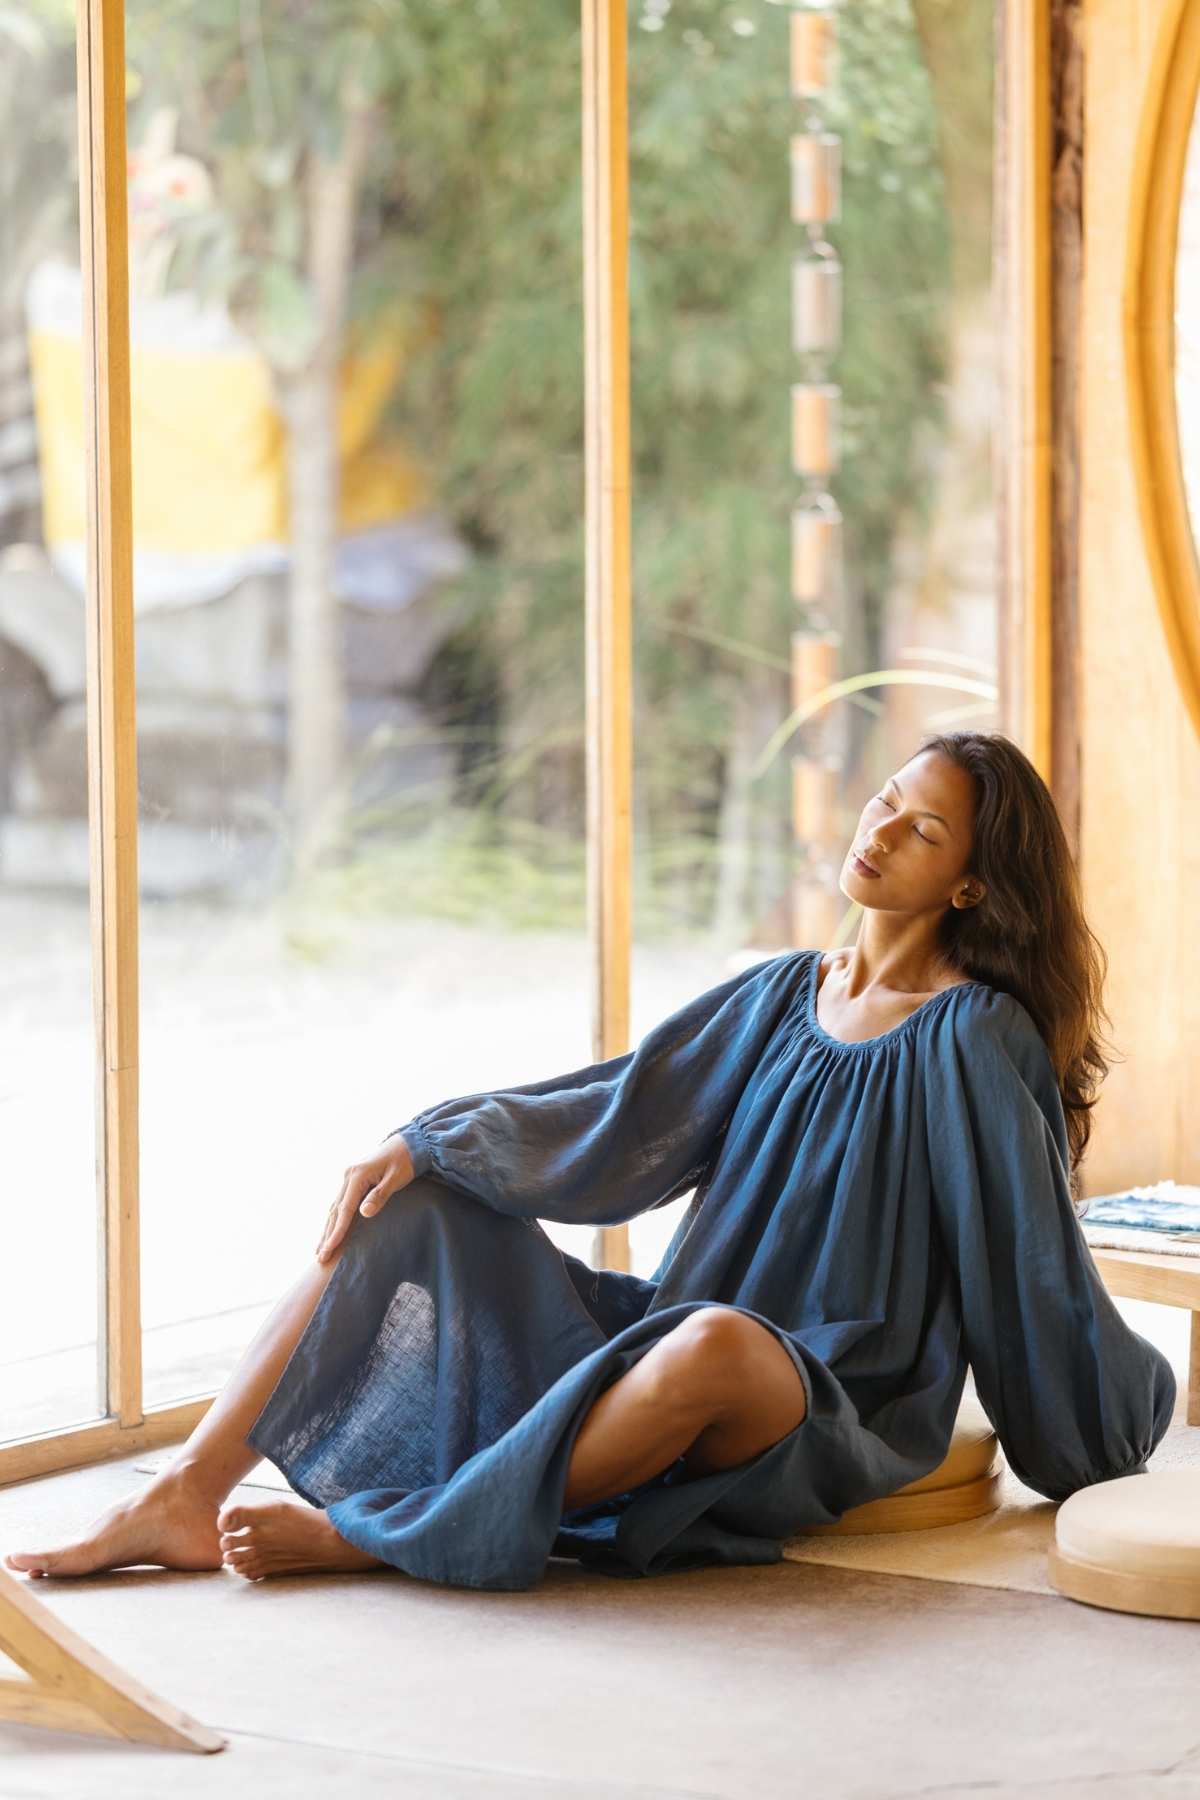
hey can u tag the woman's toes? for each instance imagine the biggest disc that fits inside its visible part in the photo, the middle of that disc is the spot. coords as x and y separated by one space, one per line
23 1567
238 1529
71 1559
243 1566
27 1562
243 1562
284 1537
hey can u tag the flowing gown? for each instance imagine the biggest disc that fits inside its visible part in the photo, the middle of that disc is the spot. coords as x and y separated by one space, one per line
892 1210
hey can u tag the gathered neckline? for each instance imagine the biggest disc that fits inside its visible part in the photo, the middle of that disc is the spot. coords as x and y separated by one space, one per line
881 1037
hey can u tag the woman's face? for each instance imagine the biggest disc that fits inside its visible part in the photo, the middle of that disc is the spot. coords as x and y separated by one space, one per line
916 831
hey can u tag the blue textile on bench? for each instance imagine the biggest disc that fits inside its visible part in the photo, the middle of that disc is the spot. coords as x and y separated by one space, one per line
1144 1212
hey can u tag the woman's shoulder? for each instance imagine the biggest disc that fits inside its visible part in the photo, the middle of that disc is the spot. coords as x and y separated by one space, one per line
987 1021
993 1008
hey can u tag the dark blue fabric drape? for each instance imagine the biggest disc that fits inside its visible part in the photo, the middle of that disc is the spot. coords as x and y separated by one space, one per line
890 1209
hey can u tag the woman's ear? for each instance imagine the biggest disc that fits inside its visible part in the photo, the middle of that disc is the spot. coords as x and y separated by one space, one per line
969 893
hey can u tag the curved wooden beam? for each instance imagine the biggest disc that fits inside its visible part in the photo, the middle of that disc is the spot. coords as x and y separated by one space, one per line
71 1687
1148 320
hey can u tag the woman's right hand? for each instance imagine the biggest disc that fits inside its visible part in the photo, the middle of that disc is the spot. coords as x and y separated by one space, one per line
366 1187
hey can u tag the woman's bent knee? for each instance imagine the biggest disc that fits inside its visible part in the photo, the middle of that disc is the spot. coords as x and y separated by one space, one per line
709 1358
722 1355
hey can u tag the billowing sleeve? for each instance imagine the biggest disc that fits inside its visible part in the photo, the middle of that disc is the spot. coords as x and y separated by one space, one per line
1075 1395
603 1143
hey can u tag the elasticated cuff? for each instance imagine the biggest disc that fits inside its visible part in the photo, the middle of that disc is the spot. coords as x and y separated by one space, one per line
419 1147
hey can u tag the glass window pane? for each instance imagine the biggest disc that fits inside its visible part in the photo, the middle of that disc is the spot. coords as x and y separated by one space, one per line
358 483
48 1274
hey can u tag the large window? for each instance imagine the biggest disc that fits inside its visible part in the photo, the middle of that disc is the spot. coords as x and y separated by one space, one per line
351 547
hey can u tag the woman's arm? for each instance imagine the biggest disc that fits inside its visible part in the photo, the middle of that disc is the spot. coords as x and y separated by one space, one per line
1076 1396
603 1143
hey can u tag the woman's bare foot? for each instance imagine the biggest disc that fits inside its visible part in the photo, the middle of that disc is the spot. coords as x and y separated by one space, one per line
285 1537
170 1522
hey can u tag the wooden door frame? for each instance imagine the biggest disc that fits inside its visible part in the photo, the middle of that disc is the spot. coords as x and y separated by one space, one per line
1038 287
1148 313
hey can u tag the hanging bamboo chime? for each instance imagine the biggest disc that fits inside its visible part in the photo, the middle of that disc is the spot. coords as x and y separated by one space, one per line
816 572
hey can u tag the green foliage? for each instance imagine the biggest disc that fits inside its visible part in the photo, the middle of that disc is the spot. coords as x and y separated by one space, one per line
471 213
495 197
895 243
38 197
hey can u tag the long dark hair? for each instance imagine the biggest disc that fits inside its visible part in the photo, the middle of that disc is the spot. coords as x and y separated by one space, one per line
1028 934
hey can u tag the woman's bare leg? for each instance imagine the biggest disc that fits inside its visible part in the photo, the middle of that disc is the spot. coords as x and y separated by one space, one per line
719 1387
716 1390
216 1456
172 1519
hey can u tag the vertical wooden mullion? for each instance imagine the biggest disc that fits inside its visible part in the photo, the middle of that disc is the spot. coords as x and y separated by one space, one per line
112 746
607 537
1023 278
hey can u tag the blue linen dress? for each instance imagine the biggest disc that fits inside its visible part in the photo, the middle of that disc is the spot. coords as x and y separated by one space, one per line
892 1209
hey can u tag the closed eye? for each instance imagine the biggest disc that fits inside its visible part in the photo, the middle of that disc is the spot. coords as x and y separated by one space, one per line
920 834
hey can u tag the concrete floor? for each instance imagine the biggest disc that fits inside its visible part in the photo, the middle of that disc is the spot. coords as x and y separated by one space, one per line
773 1682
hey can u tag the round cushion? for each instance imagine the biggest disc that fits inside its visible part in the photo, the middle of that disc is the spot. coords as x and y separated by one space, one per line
965 1484
1132 1544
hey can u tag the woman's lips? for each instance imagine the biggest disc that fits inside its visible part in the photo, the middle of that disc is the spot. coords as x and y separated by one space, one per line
862 868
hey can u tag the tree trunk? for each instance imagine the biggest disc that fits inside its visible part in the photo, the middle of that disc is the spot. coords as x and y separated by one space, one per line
755 707
316 797
316 683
